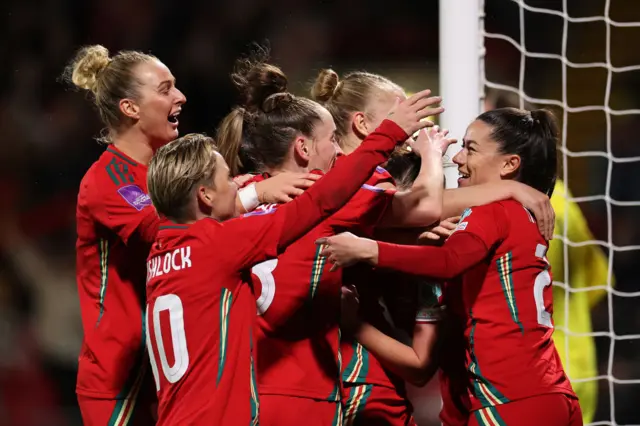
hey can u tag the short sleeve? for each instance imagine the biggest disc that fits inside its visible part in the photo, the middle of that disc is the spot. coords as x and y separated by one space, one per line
430 303
126 210
489 223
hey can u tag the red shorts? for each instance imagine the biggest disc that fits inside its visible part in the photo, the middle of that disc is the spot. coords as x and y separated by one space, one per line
375 406
549 410
284 410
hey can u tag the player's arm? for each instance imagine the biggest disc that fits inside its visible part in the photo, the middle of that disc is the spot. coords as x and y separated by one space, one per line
416 363
277 189
422 204
455 201
269 235
126 210
468 246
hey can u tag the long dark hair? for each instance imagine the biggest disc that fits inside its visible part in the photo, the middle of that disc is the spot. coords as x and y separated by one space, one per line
533 135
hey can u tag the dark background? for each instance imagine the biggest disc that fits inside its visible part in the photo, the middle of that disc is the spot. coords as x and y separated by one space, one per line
48 143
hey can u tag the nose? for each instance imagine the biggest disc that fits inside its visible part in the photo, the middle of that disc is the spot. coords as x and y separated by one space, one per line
181 98
459 158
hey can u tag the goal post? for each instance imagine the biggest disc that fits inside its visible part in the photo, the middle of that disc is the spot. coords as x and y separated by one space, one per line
579 58
460 64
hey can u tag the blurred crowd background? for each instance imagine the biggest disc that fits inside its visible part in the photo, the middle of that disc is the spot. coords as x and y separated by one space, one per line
48 143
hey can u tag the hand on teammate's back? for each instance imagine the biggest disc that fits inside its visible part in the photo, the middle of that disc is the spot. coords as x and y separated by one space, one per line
350 304
409 114
540 206
284 187
441 231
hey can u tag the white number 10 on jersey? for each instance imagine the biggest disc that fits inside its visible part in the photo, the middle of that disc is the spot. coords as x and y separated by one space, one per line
173 304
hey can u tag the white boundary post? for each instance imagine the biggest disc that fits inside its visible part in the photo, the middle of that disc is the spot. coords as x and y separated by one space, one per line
461 47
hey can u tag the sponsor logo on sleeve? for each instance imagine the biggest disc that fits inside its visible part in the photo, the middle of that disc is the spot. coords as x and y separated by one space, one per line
135 196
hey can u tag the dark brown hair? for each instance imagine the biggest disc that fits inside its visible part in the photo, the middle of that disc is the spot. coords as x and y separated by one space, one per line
533 135
258 133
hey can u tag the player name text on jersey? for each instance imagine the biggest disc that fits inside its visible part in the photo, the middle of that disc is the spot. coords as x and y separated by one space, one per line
175 260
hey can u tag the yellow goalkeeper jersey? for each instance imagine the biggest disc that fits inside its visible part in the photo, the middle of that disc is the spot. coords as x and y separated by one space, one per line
587 267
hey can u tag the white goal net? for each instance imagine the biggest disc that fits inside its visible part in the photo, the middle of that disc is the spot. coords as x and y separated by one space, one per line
581 59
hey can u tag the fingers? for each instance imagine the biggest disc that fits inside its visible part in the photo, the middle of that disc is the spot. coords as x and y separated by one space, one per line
418 96
283 198
551 220
422 104
311 176
303 183
429 235
323 240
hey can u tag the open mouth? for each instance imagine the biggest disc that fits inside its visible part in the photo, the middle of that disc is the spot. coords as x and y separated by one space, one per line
463 175
173 117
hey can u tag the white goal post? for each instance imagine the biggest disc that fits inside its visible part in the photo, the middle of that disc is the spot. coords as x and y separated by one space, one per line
462 85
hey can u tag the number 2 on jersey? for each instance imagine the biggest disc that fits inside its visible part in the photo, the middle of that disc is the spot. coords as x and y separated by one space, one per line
173 304
543 279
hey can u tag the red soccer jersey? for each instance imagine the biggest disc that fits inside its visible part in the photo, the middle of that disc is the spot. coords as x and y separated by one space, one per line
506 301
116 225
201 314
299 303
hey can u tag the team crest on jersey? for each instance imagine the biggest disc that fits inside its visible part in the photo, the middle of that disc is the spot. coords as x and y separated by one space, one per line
261 210
462 224
135 196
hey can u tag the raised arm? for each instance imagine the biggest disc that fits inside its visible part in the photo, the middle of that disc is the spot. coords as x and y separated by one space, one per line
455 201
422 204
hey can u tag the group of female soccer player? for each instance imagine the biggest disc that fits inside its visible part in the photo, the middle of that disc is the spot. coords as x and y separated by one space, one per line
244 273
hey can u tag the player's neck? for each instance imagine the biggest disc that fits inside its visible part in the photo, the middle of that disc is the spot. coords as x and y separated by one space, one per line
350 144
135 145
288 166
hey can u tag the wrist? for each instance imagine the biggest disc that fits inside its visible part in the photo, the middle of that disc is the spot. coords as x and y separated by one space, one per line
249 197
370 252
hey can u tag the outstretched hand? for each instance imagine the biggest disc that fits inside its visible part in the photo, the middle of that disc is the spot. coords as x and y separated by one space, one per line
346 249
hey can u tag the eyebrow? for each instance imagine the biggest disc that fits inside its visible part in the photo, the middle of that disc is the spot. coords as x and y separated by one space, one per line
166 83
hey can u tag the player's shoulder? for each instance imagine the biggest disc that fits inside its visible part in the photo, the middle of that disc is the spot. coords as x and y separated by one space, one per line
115 174
515 212
380 176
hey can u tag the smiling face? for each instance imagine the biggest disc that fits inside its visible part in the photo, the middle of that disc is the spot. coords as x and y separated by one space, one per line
158 104
480 160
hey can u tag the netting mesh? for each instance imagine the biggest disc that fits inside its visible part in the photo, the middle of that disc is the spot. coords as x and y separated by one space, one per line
582 60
